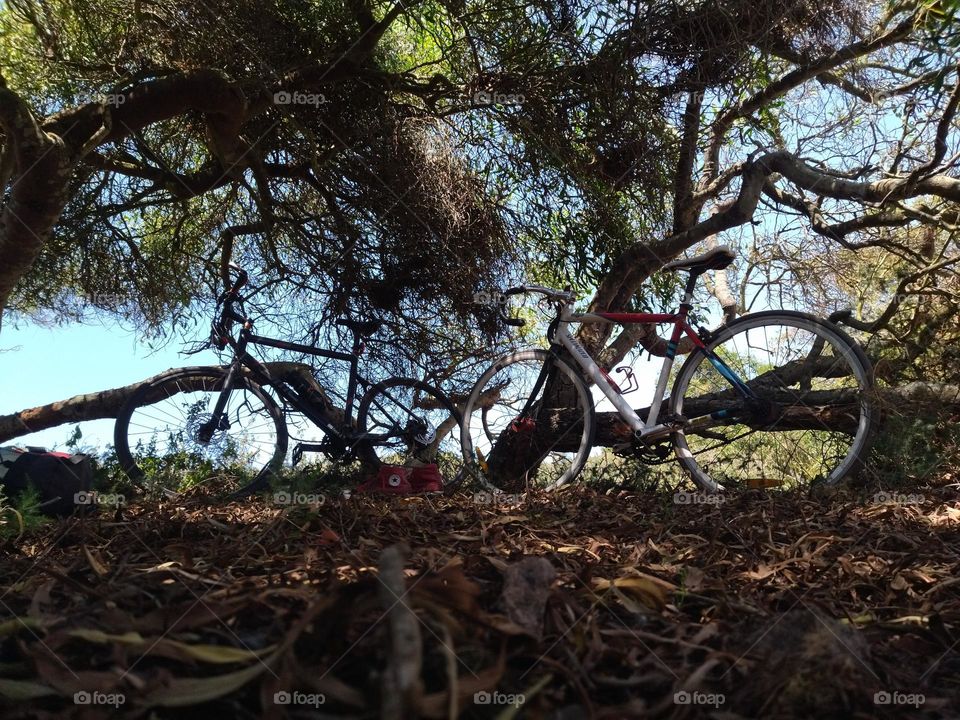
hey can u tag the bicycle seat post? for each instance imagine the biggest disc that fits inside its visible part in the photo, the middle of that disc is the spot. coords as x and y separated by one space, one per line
716 259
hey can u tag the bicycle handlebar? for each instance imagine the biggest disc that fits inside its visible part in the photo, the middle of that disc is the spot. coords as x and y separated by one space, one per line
552 294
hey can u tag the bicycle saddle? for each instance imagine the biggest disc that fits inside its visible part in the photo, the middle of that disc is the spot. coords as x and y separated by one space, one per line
716 259
364 328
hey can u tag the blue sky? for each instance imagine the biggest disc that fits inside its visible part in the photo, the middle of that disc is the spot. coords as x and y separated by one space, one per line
44 364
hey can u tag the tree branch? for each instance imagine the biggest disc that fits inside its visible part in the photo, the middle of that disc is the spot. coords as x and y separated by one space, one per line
793 79
38 162
684 209
107 404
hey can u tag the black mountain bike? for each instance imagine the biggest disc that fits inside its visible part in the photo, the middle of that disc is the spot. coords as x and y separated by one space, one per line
227 424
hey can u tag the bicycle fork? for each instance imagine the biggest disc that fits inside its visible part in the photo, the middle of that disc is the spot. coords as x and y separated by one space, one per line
218 418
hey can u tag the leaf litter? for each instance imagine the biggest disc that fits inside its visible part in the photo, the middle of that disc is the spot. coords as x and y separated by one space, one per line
570 605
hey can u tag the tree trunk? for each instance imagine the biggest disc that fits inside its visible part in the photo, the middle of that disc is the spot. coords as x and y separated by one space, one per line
107 404
832 408
836 410
518 454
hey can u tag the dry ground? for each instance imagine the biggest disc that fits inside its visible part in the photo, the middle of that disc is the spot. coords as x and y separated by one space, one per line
572 606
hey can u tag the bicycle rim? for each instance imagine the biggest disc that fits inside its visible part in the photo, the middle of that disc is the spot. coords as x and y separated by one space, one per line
411 423
522 430
161 434
810 417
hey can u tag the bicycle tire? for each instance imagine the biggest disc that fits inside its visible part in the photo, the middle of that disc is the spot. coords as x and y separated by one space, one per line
132 424
777 402
389 416
477 439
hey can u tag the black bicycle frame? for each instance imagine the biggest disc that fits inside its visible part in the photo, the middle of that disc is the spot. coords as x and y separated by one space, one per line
262 376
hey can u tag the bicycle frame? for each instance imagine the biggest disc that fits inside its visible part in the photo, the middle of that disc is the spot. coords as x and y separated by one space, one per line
647 429
263 377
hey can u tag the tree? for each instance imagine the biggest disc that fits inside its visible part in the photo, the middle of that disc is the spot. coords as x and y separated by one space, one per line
392 155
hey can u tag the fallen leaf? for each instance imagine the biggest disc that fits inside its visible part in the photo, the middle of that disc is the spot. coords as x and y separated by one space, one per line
214 654
526 588
8 627
22 690
650 593
95 563
181 692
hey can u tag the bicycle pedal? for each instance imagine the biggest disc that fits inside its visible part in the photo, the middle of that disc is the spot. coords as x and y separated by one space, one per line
643 450
301 448
662 451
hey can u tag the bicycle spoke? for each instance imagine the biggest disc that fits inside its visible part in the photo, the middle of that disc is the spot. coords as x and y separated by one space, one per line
405 422
531 430
170 423
777 434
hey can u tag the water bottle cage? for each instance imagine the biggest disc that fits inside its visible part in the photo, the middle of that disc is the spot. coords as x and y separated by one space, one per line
630 382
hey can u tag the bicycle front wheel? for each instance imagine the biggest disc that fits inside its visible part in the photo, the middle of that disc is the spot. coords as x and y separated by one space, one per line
165 436
411 423
804 414
529 422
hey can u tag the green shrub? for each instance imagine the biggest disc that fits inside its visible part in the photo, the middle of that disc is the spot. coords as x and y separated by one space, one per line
911 450
21 515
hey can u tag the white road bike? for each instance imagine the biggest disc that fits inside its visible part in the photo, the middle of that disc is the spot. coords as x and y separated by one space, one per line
772 399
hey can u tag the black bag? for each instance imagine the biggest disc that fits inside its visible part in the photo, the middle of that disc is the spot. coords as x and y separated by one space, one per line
63 480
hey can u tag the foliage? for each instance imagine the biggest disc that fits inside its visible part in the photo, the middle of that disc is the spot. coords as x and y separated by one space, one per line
440 149
22 514
915 450
399 192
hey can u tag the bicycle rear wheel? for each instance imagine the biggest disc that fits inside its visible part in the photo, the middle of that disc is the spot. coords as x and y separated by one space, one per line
411 423
808 417
529 422
164 438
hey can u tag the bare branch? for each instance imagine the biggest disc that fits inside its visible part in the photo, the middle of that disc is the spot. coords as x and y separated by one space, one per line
792 79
